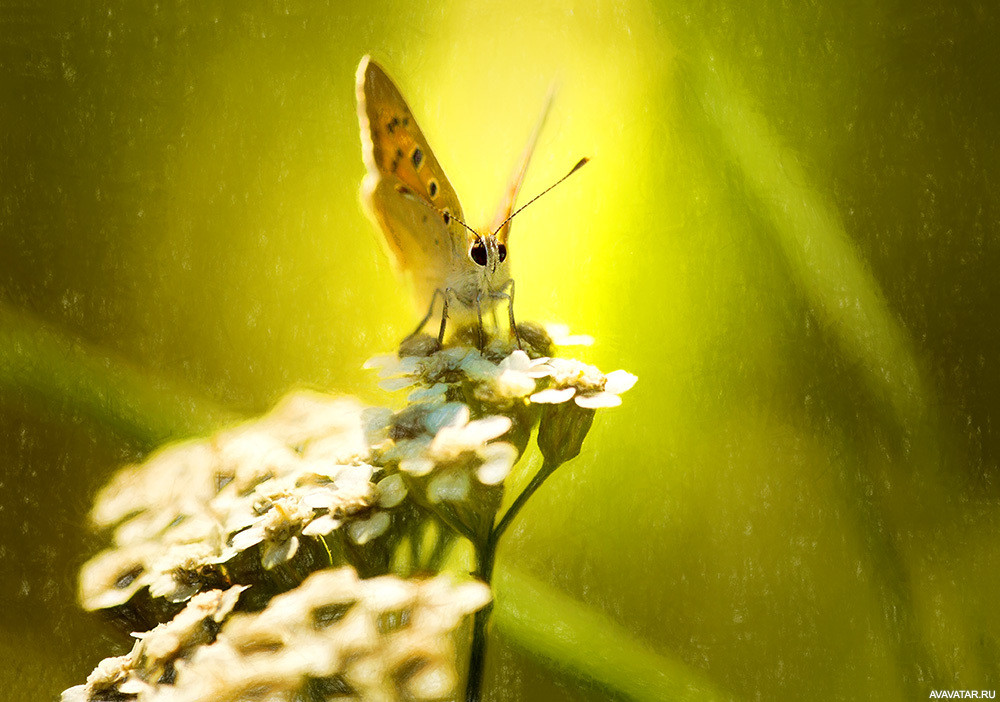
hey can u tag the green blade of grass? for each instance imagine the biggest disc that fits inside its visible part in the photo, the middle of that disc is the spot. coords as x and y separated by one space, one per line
52 370
841 290
574 640
845 296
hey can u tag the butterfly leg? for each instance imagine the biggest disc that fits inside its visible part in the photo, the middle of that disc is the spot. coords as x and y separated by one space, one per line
510 310
479 316
444 312
430 313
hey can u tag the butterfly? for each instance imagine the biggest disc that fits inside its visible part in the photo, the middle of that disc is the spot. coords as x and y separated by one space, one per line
408 195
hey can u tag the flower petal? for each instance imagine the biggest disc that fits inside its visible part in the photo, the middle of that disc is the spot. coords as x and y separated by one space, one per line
364 530
391 491
498 459
322 526
352 475
434 392
452 486
514 383
382 362
553 396
517 361
416 466
486 429
247 538
619 381
450 414
319 498
275 554
391 384
601 399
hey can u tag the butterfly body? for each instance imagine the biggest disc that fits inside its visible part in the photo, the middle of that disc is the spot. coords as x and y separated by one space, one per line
408 194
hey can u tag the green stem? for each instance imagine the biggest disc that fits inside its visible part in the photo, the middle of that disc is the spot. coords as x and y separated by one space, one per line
454 524
326 547
442 547
547 469
485 558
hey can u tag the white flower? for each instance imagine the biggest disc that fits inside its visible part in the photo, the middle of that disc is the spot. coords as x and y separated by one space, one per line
278 529
464 436
391 491
459 444
498 458
339 501
320 426
176 575
449 486
513 378
112 577
332 627
589 388
442 368
362 531
249 457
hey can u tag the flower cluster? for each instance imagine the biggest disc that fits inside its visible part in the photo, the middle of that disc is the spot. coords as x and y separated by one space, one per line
204 513
461 373
278 517
333 637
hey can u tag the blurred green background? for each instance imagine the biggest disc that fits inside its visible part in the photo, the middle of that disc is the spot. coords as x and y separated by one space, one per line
789 232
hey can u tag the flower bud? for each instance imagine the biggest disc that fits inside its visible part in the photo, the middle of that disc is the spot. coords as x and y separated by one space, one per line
563 427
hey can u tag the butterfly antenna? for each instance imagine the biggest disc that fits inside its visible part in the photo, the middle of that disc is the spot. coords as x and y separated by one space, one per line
447 216
580 164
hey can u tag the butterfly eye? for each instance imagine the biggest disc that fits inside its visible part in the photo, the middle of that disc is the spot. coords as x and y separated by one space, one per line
502 250
478 253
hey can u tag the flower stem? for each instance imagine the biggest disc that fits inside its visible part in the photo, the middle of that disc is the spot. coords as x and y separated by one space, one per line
485 560
442 547
326 547
547 469
485 557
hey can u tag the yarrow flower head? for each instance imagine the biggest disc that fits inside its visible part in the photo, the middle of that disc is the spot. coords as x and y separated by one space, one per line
299 472
584 384
333 637
156 653
461 373
464 445
319 483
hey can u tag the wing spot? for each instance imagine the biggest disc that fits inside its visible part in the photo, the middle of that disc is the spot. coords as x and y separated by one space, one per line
446 215
432 188
417 157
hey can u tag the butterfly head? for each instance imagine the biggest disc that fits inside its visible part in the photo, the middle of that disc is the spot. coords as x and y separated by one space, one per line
488 252
486 268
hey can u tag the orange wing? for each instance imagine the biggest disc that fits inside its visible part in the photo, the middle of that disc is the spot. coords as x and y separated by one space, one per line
394 143
403 177
517 177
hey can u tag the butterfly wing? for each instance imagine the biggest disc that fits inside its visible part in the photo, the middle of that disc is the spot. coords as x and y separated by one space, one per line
517 177
403 177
